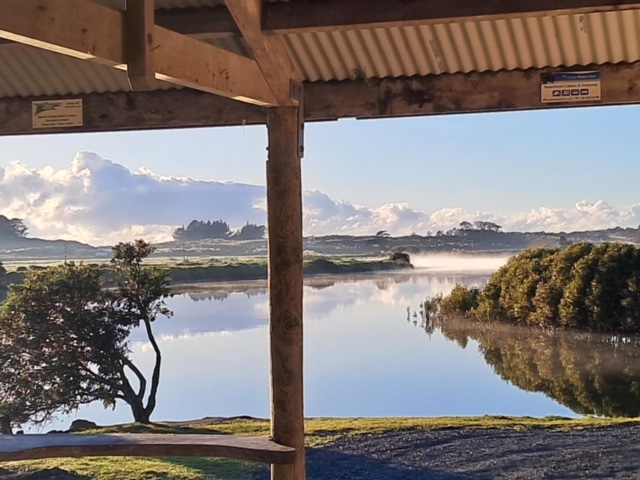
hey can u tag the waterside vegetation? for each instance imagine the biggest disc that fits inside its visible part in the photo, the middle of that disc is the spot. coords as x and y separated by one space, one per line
65 338
217 270
585 286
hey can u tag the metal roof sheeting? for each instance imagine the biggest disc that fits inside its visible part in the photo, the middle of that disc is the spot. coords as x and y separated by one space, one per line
29 71
487 45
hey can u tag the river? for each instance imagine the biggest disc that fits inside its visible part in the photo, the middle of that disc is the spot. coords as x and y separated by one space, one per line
368 352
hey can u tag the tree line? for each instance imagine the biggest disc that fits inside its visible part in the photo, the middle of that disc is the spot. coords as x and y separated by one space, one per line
203 230
467 228
584 286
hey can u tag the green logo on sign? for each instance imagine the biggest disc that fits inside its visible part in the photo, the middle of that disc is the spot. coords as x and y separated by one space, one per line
45 107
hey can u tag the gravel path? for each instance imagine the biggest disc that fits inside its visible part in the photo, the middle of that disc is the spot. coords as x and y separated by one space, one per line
460 454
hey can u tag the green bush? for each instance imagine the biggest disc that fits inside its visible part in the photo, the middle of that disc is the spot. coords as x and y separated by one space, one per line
584 286
461 301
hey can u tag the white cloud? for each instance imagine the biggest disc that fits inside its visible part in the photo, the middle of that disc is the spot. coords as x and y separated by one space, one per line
100 202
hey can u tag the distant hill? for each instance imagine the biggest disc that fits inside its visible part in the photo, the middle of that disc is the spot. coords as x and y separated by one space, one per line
25 247
469 241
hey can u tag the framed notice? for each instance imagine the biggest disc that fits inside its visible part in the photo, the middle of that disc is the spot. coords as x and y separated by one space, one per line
56 113
570 87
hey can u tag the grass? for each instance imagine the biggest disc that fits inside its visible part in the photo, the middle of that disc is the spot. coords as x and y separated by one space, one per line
237 268
136 468
319 431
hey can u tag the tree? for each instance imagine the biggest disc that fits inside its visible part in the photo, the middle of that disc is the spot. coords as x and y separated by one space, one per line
3 282
64 337
200 230
564 242
401 258
250 232
12 228
141 298
382 233
487 226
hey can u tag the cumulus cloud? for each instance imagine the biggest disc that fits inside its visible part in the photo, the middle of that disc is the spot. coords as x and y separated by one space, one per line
99 201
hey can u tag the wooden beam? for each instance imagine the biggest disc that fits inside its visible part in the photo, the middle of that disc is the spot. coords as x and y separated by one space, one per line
104 112
313 16
90 31
372 98
269 52
303 16
140 22
210 21
284 217
458 93
255 449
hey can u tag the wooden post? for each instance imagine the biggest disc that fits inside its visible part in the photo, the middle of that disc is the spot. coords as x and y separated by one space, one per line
284 212
140 22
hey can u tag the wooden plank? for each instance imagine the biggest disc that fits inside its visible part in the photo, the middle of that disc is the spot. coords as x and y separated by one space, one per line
139 18
256 449
313 16
269 52
284 220
458 93
137 111
90 31
373 98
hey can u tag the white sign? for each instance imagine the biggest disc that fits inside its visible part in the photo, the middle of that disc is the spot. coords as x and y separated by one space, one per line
56 113
570 87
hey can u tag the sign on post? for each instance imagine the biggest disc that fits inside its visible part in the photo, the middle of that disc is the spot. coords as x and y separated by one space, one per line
56 113
570 87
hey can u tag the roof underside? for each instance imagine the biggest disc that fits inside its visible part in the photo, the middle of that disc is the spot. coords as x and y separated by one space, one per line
470 46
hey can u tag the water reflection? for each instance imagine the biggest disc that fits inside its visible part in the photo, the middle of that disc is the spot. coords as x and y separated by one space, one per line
362 358
589 373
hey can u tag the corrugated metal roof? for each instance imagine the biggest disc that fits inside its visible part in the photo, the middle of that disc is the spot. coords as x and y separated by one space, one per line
487 45
29 71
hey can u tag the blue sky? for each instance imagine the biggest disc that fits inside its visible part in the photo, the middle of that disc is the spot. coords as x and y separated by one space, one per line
499 166
499 162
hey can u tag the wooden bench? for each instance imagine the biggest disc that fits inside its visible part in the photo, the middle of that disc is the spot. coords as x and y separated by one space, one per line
256 449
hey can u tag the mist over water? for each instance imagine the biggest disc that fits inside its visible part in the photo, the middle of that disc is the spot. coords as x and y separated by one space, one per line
462 263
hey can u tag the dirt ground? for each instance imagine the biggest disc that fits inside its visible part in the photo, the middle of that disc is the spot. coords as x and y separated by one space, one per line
460 454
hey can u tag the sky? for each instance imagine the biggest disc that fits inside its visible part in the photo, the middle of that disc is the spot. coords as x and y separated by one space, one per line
555 170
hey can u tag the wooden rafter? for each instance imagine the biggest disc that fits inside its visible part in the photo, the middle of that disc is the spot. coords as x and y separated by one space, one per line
409 96
139 17
269 53
315 16
90 31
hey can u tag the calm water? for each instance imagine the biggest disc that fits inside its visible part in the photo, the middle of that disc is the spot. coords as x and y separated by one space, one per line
364 356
